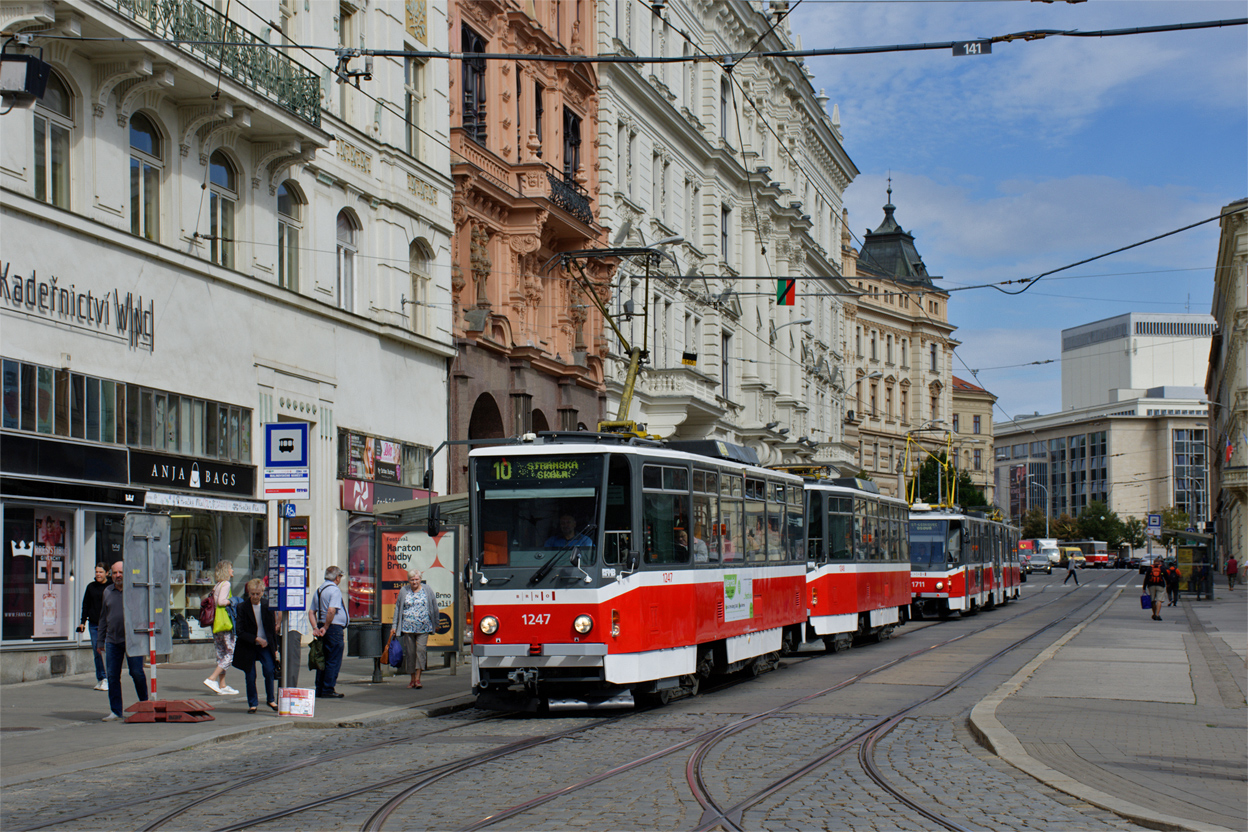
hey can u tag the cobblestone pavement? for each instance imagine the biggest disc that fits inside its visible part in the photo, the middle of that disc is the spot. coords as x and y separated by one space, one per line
930 756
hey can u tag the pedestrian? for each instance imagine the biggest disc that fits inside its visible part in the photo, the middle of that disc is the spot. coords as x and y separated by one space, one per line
1173 577
1232 573
1155 586
112 644
223 635
415 617
295 625
1070 571
256 637
92 599
328 615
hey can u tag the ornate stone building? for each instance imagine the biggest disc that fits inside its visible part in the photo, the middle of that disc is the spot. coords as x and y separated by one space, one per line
744 165
972 434
899 344
525 164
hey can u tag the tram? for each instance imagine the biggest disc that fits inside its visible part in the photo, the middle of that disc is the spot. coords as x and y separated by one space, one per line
858 564
960 561
611 570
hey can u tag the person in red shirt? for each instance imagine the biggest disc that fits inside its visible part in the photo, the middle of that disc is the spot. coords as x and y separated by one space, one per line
1232 572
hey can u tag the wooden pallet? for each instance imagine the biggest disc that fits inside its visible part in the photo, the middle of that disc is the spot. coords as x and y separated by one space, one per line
170 710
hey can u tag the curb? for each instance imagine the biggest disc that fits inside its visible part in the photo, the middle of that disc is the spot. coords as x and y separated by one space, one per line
386 716
998 739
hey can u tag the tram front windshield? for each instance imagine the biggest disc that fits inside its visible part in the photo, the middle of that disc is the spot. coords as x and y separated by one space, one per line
534 513
933 545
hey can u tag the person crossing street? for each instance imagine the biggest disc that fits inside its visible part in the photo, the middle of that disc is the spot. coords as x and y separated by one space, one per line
1071 565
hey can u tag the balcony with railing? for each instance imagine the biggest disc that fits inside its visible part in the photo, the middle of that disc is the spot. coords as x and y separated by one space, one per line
225 46
567 193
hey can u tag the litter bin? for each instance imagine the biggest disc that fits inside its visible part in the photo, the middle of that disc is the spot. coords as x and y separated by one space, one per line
368 640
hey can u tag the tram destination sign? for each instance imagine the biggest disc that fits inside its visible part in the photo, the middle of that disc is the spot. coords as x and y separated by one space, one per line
528 470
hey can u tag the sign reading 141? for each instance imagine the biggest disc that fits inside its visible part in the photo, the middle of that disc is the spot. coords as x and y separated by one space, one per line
973 47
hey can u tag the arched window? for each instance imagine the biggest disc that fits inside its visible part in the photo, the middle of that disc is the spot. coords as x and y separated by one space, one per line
348 245
146 163
53 125
289 226
418 264
223 202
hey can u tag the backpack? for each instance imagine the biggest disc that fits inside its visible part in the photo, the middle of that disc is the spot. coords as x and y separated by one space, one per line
1155 575
208 610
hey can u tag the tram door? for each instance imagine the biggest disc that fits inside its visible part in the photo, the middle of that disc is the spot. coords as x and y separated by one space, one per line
618 517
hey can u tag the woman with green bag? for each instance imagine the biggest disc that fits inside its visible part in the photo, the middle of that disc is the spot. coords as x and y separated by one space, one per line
223 636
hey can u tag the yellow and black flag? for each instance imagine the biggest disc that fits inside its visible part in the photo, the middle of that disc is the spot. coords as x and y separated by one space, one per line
690 358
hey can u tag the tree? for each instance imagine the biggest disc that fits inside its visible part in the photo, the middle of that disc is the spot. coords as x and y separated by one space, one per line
1097 522
1034 525
1134 533
1066 528
1172 518
863 475
932 478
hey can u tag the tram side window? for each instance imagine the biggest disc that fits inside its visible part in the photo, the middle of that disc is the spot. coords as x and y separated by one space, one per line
755 520
860 529
776 532
840 529
815 510
705 543
731 531
666 515
953 547
903 538
795 527
619 517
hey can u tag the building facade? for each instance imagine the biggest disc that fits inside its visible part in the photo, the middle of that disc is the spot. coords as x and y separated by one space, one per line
744 172
530 348
971 424
200 240
1226 387
899 349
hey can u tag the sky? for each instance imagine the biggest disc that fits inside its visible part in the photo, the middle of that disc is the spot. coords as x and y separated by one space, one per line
1039 155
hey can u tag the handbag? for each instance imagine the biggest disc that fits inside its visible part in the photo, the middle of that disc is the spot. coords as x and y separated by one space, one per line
1146 601
316 654
395 659
221 622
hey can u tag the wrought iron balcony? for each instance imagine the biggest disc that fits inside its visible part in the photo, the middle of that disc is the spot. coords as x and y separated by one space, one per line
221 43
569 195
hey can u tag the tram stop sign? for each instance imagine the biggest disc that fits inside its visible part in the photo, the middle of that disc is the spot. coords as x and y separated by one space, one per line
146 593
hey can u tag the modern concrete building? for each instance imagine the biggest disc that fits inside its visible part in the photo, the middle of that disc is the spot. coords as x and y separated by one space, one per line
200 239
1136 351
525 161
899 348
1226 387
747 169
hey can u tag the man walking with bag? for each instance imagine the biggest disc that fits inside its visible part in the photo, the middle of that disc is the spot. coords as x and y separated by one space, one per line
328 614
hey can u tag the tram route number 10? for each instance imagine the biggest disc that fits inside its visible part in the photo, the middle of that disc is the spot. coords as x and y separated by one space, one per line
973 47
502 470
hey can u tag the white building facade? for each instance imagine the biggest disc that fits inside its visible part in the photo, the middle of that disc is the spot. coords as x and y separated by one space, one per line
748 169
199 241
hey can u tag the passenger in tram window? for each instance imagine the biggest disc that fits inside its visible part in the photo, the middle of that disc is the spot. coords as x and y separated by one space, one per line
700 552
567 535
682 546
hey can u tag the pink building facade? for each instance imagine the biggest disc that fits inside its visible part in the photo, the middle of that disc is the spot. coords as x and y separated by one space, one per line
524 160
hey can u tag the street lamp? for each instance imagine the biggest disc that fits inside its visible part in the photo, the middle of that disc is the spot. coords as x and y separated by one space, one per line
798 322
1031 482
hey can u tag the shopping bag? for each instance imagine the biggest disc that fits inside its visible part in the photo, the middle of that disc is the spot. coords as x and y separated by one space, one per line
1146 601
316 655
395 659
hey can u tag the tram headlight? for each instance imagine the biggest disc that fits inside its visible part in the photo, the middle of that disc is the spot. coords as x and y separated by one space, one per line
489 625
583 624
940 585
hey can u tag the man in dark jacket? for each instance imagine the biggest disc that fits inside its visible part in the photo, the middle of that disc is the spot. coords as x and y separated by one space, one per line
257 633
112 643
92 600
1173 577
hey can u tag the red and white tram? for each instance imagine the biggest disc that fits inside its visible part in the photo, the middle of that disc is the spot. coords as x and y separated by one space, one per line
960 561
610 568
858 565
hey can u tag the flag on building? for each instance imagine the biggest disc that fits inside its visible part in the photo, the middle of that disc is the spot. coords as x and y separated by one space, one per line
786 291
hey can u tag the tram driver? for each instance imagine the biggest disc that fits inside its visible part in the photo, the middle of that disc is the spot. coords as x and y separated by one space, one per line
567 535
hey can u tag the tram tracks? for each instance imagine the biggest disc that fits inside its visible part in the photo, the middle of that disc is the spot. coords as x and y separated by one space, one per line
713 814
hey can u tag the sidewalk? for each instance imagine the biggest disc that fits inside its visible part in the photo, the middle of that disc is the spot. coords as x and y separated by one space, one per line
34 716
1143 718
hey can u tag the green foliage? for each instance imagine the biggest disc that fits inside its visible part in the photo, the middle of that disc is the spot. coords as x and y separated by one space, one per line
934 475
1033 524
863 475
1172 518
1097 522
1066 528
1133 533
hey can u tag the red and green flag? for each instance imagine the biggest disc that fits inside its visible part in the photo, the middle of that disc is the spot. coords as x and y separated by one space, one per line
786 291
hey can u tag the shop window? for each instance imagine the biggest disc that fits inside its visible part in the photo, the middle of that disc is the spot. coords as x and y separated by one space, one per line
289 228
146 164
222 205
36 562
53 127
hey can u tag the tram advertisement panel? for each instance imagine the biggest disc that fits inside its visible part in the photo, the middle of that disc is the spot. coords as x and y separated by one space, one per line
738 597
434 557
